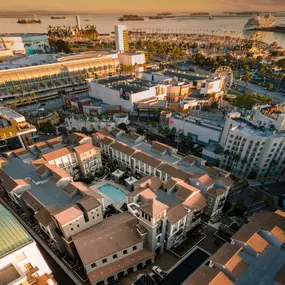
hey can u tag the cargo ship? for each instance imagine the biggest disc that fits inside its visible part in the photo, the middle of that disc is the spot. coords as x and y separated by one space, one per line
57 17
164 14
200 14
34 20
131 18
156 17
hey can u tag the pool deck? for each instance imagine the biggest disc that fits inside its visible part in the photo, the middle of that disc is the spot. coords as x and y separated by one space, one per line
107 199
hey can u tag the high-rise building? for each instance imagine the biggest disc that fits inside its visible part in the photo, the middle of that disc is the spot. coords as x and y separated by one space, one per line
121 36
254 145
78 22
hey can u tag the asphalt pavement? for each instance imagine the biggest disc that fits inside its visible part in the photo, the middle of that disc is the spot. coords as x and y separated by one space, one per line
185 268
253 88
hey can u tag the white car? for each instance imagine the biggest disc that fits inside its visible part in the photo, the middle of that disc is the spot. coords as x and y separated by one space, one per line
159 272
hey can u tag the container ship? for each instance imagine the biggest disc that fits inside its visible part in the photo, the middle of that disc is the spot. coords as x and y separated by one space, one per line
131 18
34 20
57 17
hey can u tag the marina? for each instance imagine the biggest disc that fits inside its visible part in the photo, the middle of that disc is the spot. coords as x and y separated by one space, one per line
222 26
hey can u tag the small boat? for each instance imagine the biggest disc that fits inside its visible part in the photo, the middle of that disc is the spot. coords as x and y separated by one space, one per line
211 18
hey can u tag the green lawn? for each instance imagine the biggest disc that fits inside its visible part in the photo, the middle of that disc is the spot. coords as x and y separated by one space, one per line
244 101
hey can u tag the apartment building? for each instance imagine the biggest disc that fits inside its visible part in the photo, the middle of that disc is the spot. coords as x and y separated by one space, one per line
15 131
255 255
61 207
162 161
84 159
20 259
254 145
166 211
45 77
112 248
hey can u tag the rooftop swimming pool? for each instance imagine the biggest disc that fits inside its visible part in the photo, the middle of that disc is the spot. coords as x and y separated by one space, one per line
113 192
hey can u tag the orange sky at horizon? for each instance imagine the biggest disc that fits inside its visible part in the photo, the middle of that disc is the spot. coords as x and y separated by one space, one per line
145 6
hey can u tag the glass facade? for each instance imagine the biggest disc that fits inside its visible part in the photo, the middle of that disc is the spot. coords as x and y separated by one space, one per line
28 84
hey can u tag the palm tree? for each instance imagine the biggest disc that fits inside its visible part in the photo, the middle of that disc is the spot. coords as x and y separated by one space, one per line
281 76
218 150
236 158
246 77
256 196
272 164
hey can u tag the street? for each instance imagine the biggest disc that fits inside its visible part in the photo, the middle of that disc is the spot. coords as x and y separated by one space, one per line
185 268
253 88
60 276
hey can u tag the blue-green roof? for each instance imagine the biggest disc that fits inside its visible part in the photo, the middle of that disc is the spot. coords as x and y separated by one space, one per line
12 234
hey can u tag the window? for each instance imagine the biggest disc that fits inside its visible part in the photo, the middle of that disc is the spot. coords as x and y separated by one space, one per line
93 265
71 229
98 215
125 251
78 226
104 260
135 247
115 256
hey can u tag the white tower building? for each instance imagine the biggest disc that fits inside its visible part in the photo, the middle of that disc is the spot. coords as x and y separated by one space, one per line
121 37
78 22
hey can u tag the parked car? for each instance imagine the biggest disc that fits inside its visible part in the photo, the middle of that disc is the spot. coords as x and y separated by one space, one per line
159 272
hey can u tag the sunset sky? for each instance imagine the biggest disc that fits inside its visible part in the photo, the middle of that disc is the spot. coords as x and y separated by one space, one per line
141 6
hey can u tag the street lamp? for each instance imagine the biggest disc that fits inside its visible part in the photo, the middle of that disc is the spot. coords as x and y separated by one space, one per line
264 81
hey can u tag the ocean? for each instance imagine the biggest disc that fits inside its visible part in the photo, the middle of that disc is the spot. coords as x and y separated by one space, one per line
230 26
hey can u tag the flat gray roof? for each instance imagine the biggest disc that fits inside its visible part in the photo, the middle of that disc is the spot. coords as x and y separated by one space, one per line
183 75
17 169
167 199
264 268
189 168
47 193
10 114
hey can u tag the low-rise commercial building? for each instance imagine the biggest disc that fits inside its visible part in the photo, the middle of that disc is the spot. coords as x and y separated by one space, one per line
203 131
134 58
51 76
20 259
15 131
255 255
125 92
254 145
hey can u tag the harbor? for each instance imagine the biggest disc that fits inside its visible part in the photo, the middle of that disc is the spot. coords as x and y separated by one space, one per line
227 25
